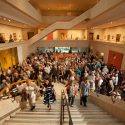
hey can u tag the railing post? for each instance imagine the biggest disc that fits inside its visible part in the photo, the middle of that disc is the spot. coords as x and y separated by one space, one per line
63 105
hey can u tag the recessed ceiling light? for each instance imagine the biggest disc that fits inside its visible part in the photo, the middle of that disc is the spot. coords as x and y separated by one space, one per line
4 18
9 20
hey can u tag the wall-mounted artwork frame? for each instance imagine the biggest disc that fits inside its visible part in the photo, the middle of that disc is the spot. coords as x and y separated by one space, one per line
62 34
97 37
108 37
124 38
15 36
91 36
118 37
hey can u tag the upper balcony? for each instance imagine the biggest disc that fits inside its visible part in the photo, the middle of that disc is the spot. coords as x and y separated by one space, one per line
8 45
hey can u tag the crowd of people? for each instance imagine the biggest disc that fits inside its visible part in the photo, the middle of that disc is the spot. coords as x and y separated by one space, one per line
83 72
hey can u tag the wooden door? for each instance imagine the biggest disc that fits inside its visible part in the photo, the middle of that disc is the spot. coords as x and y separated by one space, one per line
91 35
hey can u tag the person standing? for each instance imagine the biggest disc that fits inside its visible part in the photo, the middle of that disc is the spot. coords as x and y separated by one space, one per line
54 73
71 92
49 96
31 91
84 92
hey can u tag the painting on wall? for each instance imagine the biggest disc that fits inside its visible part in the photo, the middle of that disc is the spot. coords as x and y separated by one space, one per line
124 37
91 36
50 36
63 34
108 37
30 34
118 37
2 35
14 36
97 37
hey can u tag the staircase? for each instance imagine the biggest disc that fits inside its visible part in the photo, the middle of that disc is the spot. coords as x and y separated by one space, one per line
93 115
90 115
41 115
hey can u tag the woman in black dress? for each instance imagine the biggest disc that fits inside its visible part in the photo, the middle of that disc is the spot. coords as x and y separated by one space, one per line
49 96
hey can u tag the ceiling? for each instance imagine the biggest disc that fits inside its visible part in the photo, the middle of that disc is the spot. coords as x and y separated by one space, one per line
62 10
10 22
62 7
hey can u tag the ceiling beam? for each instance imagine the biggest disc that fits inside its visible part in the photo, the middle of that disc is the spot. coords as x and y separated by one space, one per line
27 8
6 10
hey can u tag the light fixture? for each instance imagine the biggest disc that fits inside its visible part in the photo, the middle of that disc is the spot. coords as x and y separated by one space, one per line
102 54
9 20
110 22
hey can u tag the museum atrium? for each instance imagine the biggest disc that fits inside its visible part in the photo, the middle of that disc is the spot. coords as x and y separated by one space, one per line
38 33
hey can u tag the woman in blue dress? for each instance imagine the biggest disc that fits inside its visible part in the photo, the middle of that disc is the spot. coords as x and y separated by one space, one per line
49 96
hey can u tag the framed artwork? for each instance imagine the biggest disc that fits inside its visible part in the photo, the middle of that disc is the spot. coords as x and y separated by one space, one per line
2 37
118 37
97 37
30 34
50 36
71 36
62 34
108 37
91 36
124 37
14 36
2 34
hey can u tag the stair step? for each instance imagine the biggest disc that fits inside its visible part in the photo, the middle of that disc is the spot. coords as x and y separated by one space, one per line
45 112
19 120
55 123
44 116
41 110
96 116
93 113
112 120
41 113
83 123
91 110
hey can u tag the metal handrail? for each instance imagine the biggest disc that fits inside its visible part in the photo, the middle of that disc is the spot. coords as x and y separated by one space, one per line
64 103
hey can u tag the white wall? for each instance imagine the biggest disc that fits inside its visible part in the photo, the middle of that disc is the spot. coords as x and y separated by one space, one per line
70 35
103 33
